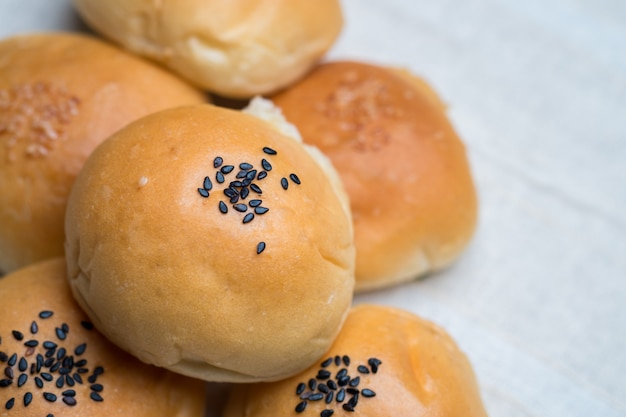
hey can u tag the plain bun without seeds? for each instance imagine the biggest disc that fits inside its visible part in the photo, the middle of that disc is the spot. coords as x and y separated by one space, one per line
61 95
404 167
206 241
54 363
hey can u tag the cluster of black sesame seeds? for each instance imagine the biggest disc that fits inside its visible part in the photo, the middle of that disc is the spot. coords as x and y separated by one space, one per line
340 388
245 185
50 366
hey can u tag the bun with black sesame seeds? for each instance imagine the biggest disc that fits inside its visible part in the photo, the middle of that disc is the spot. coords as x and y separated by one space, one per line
186 250
54 363
405 169
62 94
385 362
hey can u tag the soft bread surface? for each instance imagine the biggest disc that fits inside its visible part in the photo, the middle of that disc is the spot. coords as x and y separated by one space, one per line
94 378
170 278
405 169
61 95
401 365
233 48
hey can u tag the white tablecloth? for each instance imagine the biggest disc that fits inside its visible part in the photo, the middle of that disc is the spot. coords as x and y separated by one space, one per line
537 90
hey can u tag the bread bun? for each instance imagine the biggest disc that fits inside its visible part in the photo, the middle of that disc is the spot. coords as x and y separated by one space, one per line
60 96
385 362
194 274
55 363
233 48
406 171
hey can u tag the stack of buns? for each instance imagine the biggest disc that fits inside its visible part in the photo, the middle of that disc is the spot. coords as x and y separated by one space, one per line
155 242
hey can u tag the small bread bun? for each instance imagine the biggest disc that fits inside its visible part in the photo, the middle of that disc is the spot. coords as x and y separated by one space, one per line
406 171
232 48
385 362
204 240
55 363
60 96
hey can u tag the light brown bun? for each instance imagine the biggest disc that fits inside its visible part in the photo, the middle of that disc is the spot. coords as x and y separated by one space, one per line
106 381
406 171
173 280
412 368
60 96
233 48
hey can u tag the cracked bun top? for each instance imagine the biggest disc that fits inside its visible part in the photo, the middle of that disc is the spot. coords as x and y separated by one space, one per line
206 241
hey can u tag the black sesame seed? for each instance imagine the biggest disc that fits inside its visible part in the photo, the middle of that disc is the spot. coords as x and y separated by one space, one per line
217 162
81 363
34 328
17 335
300 388
28 397
69 380
68 362
312 384
69 401
284 183
260 247
82 370
50 415
342 372
92 379
348 407
219 177
31 343
244 193
64 371
261 210
12 359
363 369
3 357
266 165
346 360
323 374
246 166
248 218
60 382
250 175
327 362
87 325
223 207
230 192
294 178
55 367
329 397
374 363
269 151
80 349
38 382
366 392
60 333
5 382
98 371
49 354
61 353
331 384
261 175
354 382
301 406
22 380
96 387
204 193
49 345
327 413
354 400
10 403
316 397
65 327
240 208
242 174
352 391
46 376
227 169
95 396
256 188
32 365
22 365
8 372
255 203
50 396
45 314
343 381
236 184
305 395
69 393
77 378
323 388
337 360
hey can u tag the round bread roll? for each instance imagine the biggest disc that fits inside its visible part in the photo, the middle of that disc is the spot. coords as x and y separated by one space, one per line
55 363
406 171
233 48
204 240
385 362
60 96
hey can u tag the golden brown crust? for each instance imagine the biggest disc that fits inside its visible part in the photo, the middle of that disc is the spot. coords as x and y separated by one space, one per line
168 277
60 96
420 372
233 48
404 168
104 379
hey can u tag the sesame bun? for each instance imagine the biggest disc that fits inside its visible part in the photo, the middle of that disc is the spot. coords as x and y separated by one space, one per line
204 240
385 362
60 96
233 48
55 363
406 171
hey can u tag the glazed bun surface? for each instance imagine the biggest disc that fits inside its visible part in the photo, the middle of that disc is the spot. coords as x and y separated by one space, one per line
385 362
60 96
206 241
405 170
55 363
233 48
